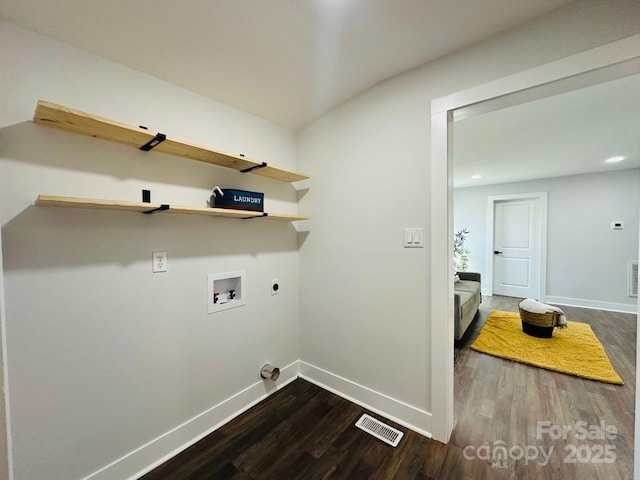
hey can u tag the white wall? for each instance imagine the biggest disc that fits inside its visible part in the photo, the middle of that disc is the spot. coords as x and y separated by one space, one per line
103 355
364 299
4 431
586 260
636 450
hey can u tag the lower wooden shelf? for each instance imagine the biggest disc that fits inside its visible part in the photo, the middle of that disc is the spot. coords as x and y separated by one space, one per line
92 203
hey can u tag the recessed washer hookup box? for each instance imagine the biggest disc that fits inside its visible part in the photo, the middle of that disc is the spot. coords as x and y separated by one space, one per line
240 200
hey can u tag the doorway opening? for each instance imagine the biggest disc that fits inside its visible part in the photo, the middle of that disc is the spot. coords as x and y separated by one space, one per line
588 67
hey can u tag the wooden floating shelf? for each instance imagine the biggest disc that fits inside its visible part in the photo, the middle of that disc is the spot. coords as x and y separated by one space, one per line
92 203
68 119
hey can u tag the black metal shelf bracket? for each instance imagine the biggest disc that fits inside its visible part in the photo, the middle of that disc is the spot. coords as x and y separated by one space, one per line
161 208
154 142
263 214
255 167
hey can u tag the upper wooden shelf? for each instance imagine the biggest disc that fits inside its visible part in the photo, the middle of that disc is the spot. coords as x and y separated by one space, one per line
71 120
92 203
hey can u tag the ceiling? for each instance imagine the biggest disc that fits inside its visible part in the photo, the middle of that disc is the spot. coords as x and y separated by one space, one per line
566 134
288 61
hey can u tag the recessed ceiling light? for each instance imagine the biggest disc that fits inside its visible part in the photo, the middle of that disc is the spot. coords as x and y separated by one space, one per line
477 176
614 159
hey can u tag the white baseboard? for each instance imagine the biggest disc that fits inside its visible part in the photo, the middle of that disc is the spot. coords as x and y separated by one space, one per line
579 302
391 408
147 457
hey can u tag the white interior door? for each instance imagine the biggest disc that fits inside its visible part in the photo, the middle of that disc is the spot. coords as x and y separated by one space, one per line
516 248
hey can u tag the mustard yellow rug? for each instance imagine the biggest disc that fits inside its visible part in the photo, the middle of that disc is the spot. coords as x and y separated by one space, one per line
574 350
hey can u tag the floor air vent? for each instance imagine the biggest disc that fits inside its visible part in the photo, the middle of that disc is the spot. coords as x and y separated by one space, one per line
379 430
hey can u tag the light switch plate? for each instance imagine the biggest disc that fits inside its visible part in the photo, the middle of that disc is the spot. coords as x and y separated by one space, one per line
414 237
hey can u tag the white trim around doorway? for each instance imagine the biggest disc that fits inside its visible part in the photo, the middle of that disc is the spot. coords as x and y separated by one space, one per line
440 266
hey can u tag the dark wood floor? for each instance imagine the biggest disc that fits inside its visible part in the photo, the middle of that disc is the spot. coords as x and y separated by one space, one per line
500 400
304 432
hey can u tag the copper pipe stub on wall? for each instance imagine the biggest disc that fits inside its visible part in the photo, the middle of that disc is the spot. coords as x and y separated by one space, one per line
270 372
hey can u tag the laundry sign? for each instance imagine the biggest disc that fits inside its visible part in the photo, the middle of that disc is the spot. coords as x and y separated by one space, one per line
239 199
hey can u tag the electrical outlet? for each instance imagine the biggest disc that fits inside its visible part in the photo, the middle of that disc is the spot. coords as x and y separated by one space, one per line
275 287
159 262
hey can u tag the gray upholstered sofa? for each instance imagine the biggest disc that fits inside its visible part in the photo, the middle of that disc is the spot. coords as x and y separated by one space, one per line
467 299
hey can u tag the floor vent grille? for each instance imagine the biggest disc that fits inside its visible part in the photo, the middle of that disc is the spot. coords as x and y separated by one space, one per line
379 430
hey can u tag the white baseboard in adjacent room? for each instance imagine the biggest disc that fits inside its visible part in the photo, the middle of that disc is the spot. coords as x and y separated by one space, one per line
593 304
147 457
395 410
